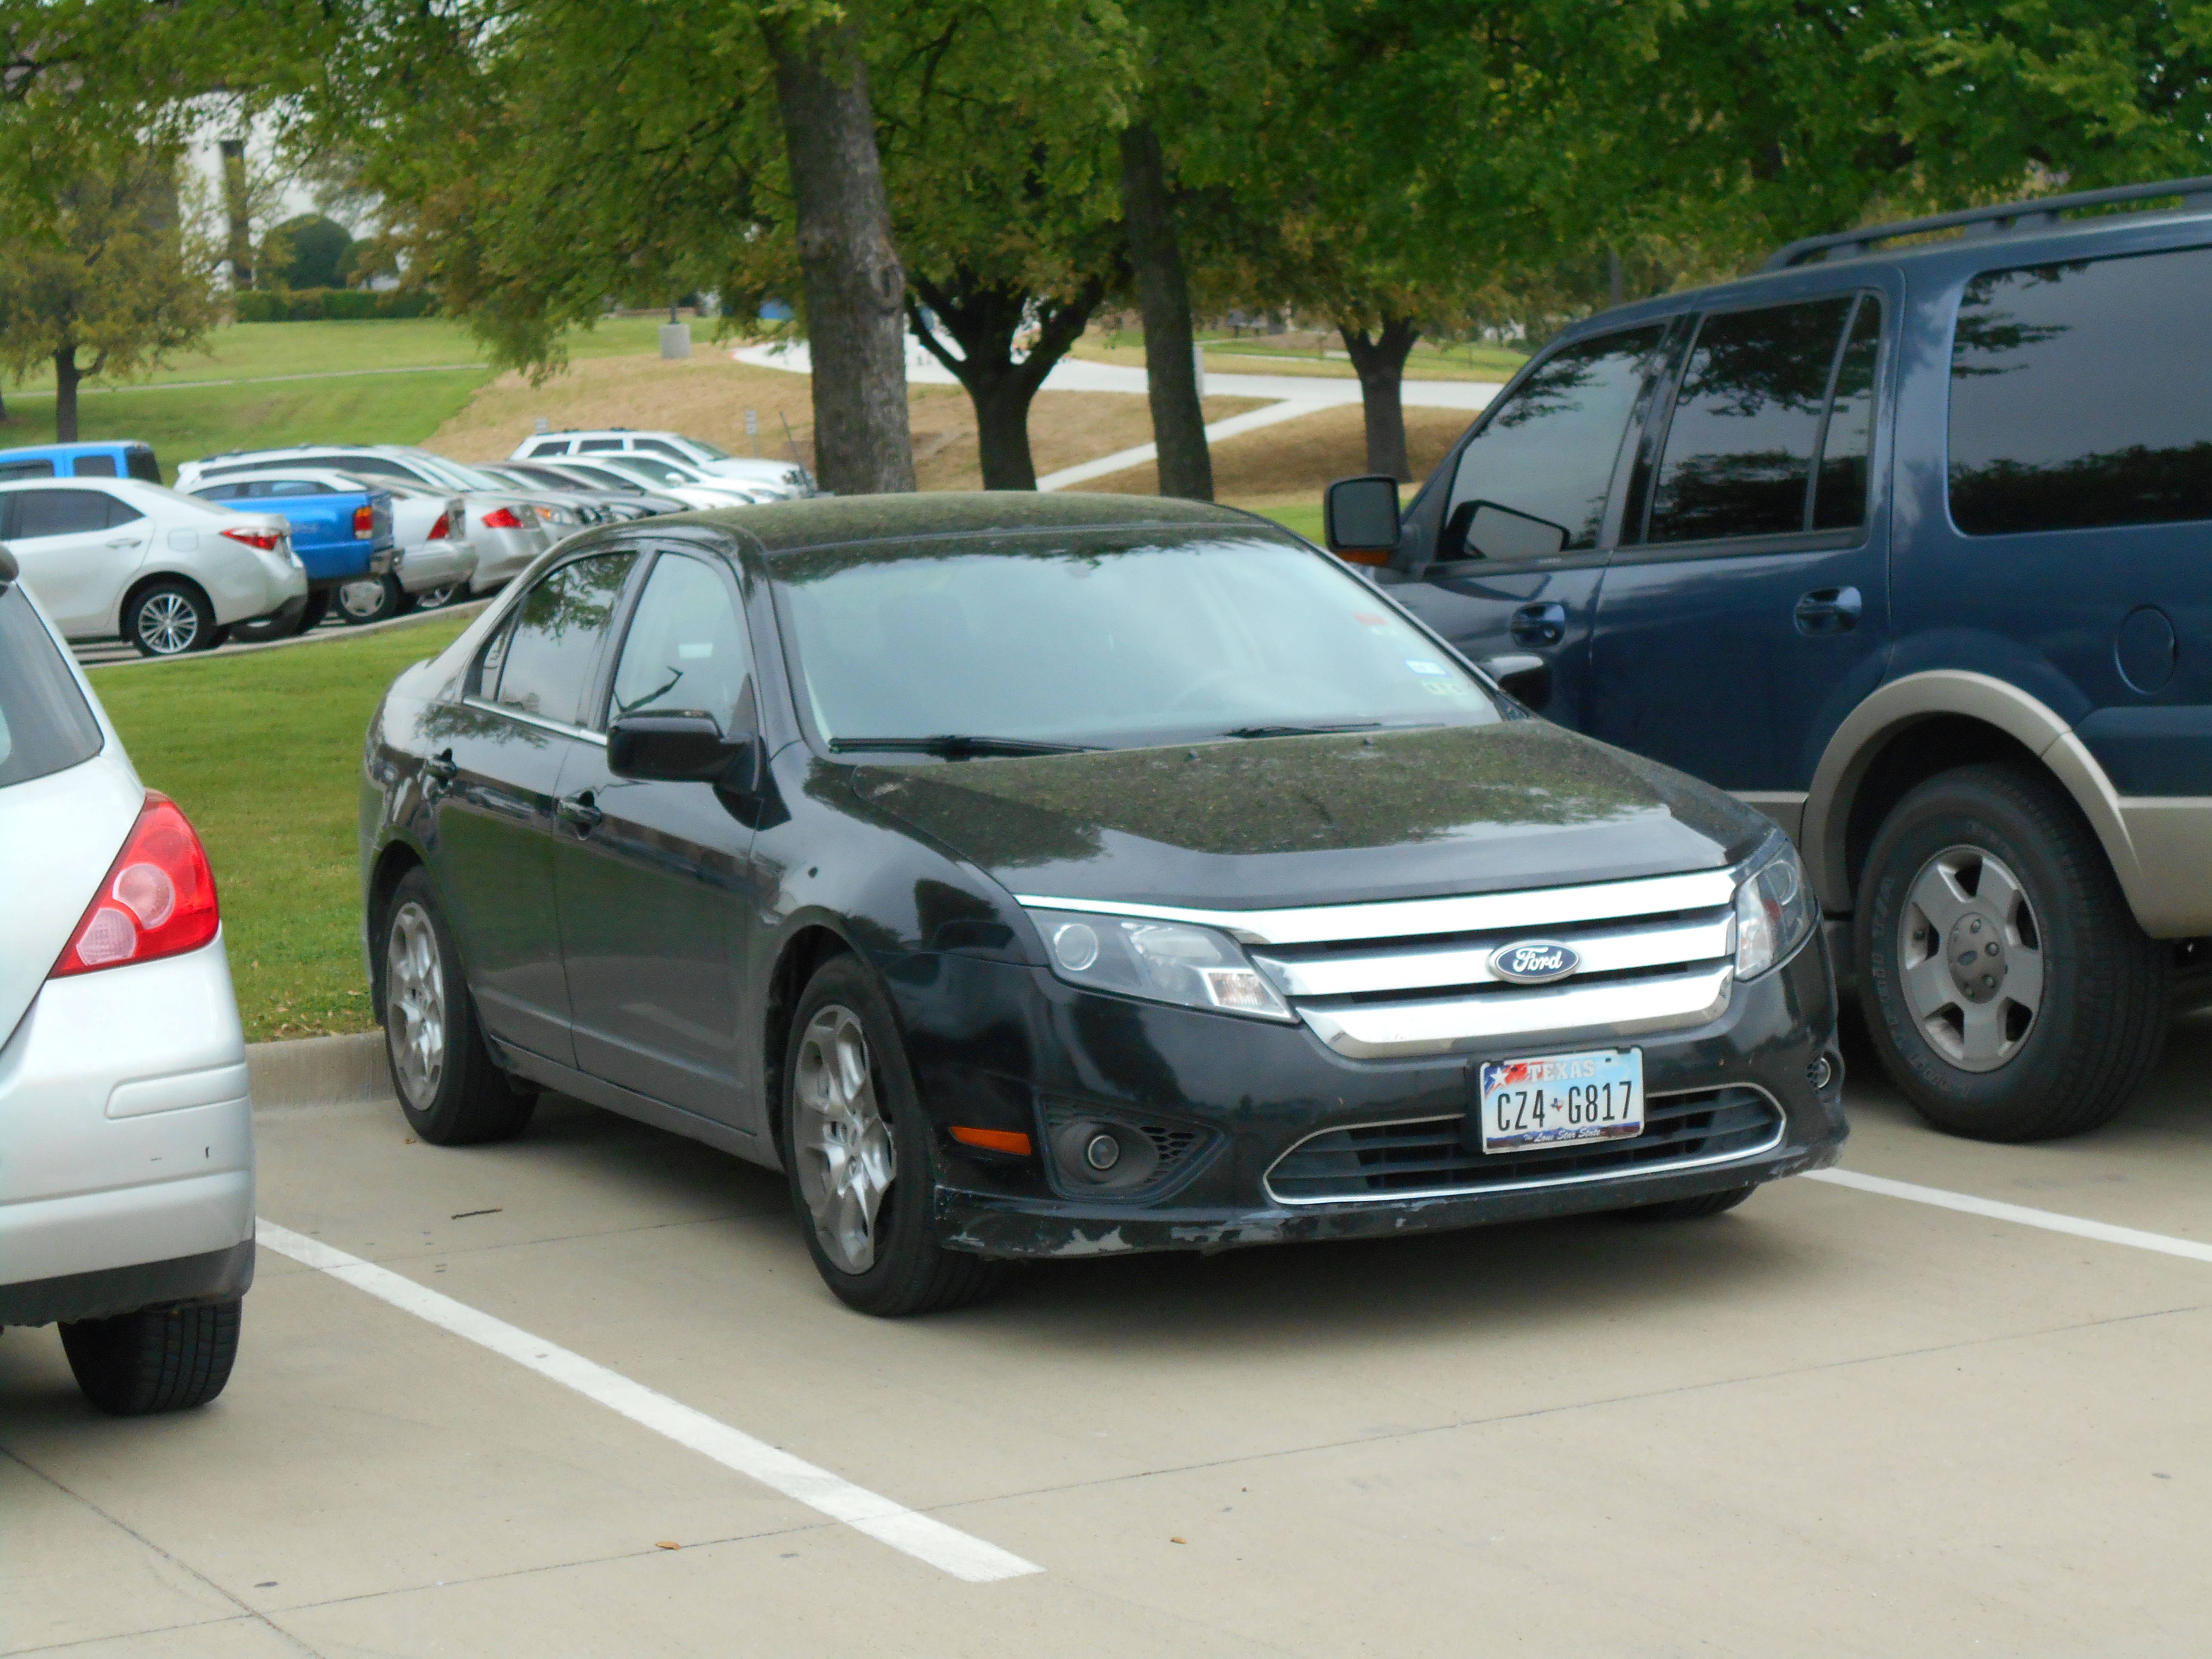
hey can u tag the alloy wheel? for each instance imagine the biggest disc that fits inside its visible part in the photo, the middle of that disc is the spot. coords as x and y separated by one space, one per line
438 598
846 1159
414 1005
1970 952
167 623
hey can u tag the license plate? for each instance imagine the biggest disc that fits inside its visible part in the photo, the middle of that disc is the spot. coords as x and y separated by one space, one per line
1529 1104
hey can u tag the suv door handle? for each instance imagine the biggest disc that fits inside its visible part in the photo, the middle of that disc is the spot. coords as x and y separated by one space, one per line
1542 623
1829 611
579 813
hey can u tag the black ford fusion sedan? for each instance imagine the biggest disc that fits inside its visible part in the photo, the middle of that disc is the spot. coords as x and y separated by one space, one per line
1059 875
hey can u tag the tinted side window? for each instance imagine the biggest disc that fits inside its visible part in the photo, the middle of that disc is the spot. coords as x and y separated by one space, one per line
59 512
376 466
1839 494
230 492
44 725
687 647
25 469
546 657
121 512
592 445
662 446
1739 454
2078 395
142 465
93 466
1533 483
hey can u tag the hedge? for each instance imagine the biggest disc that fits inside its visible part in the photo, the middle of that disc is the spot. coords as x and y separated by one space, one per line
316 305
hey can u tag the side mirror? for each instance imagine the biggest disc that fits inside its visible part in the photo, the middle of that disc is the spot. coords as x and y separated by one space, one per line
1359 519
1526 679
683 747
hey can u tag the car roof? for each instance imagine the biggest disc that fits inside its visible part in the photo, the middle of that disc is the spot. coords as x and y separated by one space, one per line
836 520
282 470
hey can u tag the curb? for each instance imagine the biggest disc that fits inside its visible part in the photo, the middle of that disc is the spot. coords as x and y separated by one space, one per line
327 1071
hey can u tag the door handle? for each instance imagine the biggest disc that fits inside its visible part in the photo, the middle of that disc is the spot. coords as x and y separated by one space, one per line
579 813
1542 623
1829 611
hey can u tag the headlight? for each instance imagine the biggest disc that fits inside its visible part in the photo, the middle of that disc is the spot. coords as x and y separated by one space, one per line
1775 909
1162 961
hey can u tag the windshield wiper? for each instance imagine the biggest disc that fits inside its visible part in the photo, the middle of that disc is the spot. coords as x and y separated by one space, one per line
1301 730
958 745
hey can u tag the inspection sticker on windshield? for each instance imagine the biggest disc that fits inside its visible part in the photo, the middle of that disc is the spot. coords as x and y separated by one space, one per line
1528 1104
1423 666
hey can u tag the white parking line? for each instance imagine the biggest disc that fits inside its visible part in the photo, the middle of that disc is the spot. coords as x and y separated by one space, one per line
925 1540
2049 1220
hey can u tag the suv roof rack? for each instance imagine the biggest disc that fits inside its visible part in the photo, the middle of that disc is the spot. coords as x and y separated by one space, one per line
2008 218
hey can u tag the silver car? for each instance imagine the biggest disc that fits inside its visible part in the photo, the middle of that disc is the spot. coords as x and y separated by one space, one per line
126 1131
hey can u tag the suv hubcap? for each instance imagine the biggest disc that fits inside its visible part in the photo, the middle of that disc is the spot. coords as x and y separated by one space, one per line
414 1005
846 1161
167 623
1972 957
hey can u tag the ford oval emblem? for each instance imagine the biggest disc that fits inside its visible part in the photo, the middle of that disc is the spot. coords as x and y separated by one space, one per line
1534 962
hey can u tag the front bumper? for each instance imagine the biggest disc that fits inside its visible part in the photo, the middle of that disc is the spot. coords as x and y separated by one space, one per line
1252 1091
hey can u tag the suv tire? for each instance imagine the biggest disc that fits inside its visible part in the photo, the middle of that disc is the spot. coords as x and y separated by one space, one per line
442 1068
860 1157
159 1359
1997 861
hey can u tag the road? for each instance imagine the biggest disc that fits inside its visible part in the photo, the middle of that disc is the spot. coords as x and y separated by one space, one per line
1834 1422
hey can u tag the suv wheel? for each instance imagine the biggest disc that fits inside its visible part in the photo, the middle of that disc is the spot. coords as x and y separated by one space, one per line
159 1360
856 1152
2008 989
168 618
442 1068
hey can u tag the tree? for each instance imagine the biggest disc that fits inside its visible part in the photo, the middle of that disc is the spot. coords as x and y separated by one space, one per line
117 275
311 251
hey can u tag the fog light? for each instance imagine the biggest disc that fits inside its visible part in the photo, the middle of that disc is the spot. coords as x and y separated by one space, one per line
1102 1153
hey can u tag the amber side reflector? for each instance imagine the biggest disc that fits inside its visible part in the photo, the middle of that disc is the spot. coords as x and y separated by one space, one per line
994 1140
1364 558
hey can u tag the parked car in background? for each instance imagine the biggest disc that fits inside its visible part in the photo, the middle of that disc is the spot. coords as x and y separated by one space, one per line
1905 541
686 482
666 485
126 1134
1059 875
106 458
787 478
620 504
504 526
429 557
119 557
342 530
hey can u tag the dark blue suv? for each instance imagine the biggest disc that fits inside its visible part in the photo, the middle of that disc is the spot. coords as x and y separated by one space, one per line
1908 542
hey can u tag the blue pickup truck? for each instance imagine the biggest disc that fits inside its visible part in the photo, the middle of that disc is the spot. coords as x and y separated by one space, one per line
341 531
109 458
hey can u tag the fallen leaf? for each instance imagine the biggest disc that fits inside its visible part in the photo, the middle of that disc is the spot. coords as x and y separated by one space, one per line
1175 1541
410 1141
667 1544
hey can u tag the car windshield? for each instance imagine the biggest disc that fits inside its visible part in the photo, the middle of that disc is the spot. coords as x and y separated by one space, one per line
1105 638
460 477
658 470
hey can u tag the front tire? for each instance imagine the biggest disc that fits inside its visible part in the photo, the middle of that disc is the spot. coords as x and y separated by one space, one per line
169 619
2007 989
1691 1209
162 1359
857 1154
442 1070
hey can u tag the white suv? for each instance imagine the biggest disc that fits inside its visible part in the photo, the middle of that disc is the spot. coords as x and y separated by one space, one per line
126 1131
787 478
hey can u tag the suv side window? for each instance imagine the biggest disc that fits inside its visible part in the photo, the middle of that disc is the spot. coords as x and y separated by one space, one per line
2078 395
542 662
598 445
1533 483
1749 420
660 447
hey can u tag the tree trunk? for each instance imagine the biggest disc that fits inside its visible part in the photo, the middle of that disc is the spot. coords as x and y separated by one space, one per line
65 378
1380 362
1164 296
983 321
855 290
5 418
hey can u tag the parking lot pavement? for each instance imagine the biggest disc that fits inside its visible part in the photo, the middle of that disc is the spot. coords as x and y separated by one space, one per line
1832 1422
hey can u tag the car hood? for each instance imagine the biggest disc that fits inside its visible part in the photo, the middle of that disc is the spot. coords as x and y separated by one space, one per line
1319 820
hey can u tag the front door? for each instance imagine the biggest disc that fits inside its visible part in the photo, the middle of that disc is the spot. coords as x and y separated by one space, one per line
654 878
494 776
1514 570
1747 611
77 548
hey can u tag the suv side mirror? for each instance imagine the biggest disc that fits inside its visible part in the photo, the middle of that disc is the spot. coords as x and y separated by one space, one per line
684 746
1359 519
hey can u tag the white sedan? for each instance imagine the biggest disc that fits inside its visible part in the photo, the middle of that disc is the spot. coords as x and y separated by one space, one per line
127 1130
118 556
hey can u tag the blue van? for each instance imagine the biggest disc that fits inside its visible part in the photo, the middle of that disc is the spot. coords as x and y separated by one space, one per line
115 458
1908 543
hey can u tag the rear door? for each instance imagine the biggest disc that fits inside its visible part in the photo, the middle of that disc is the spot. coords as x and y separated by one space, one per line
1515 563
77 547
1746 610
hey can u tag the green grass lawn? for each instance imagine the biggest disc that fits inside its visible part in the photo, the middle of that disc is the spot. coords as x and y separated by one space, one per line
263 751
1306 520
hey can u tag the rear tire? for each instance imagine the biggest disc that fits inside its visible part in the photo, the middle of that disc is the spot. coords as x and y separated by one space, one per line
1691 1209
437 598
170 619
2065 1011
852 1125
372 599
443 1070
161 1359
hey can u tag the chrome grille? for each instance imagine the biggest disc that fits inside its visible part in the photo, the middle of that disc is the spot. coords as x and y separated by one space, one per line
1431 1157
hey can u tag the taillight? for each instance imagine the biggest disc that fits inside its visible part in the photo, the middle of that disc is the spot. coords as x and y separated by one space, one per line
266 540
364 522
501 518
156 900
442 530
